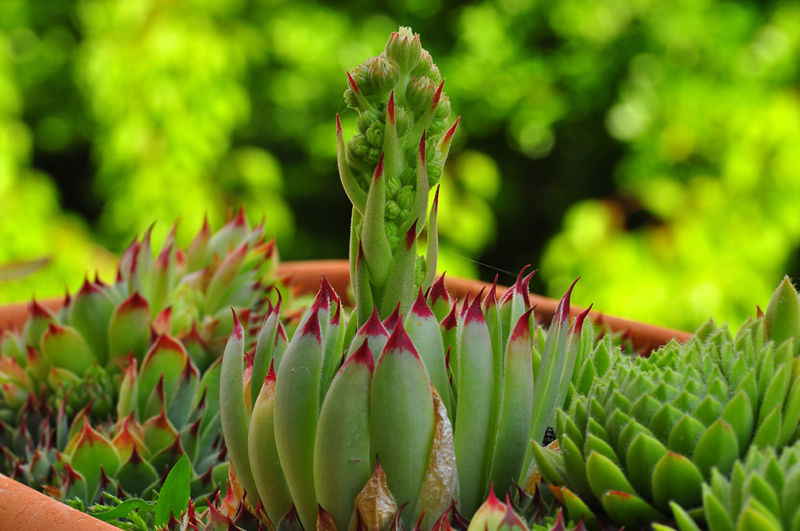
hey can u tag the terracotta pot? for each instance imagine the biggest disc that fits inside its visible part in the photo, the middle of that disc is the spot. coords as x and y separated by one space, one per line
24 509
305 275
645 337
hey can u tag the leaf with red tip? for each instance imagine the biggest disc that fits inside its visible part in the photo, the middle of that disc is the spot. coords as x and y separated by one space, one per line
234 412
377 253
89 314
267 471
90 453
515 409
65 348
547 381
475 406
489 515
129 329
161 279
297 402
449 330
362 101
324 520
423 329
39 319
265 347
198 250
341 470
575 339
166 359
432 244
222 278
373 333
392 155
447 139
402 418
229 237
439 299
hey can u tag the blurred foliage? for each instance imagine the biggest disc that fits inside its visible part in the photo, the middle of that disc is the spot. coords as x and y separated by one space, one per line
650 147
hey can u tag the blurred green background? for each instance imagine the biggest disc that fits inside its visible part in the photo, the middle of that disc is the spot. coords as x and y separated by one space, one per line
652 148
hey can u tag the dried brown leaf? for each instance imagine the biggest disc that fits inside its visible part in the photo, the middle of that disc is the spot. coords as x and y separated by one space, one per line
441 482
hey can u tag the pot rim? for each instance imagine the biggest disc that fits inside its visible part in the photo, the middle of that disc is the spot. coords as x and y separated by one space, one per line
305 275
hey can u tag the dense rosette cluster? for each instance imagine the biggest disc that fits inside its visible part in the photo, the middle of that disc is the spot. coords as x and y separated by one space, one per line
648 434
761 492
408 412
108 392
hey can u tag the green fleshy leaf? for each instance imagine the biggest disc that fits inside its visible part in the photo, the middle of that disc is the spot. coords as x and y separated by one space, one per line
604 476
551 464
574 466
473 444
717 517
756 517
685 435
677 479
738 414
767 435
782 317
683 519
717 448
708 411
643 455
65 348
341 470
629 510
173 499
577 510
402 420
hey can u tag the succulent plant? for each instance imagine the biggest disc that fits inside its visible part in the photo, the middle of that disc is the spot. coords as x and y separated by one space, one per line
761 492
388 168
107 393
390 413
651 431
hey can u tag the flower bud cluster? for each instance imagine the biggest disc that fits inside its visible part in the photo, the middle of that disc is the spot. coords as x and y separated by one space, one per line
406 71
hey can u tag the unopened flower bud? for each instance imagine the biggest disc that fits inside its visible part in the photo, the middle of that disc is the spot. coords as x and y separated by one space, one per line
374 134
365 119
435 75
435 169
392 209
404 47
393 185
424 65
437 127
393 242
373 154
404 121
384 74
408 176
442 109
358 145
405 197
419 93
361 75
391 229
351 100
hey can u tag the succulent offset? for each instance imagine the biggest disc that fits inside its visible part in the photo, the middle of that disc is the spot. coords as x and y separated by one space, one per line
648 434
387 415
107 393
